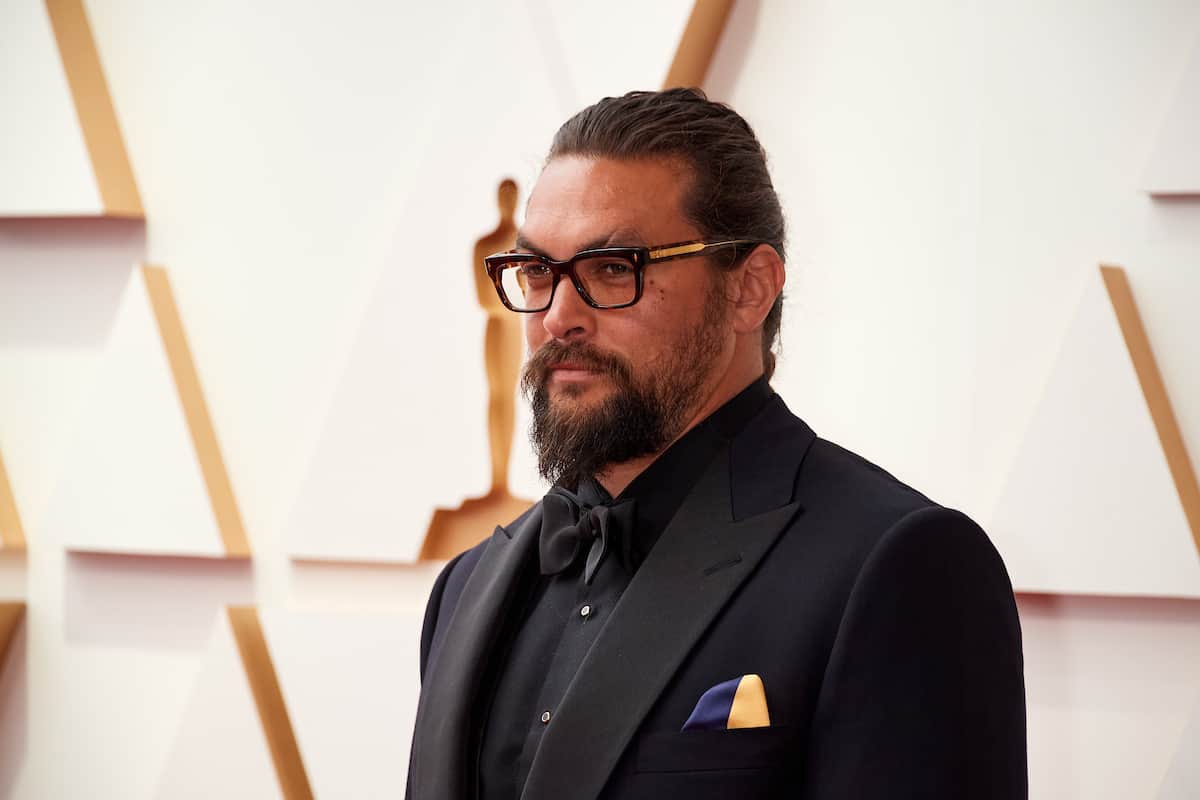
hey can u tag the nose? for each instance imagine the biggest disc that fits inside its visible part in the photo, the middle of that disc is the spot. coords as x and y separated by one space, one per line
568 317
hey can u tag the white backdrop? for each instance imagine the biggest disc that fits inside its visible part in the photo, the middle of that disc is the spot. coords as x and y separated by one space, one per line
952 175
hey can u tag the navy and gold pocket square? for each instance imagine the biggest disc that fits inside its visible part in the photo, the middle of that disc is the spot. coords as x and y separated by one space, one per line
739 703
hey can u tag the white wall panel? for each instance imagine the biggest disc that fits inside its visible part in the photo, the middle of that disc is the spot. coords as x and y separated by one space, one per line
1090 506
132 482
61 282
351 683
1183 775
594 50
1174 166
220 749
45 169
1110 687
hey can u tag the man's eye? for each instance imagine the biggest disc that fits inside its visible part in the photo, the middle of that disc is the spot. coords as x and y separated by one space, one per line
615 269
534 270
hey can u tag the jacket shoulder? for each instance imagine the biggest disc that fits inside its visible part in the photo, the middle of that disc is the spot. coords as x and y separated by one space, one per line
851 505
446 591
860 522
849 484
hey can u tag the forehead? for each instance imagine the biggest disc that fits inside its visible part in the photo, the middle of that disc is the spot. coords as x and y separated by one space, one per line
580 201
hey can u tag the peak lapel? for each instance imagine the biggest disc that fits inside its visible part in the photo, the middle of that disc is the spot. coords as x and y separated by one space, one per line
441 734
693 570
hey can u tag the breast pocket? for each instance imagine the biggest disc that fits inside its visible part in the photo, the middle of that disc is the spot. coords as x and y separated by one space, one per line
716 750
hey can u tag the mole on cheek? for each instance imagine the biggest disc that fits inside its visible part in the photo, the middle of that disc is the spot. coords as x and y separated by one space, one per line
654 290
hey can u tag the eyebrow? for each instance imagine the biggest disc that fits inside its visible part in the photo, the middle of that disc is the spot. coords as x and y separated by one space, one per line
621 237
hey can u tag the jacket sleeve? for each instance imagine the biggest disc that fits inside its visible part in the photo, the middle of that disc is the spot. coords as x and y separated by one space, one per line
923 695
428 627
432 607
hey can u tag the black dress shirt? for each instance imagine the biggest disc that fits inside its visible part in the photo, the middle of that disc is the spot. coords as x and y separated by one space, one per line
559 617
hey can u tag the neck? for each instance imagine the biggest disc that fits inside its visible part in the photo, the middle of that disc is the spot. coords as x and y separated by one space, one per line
616 477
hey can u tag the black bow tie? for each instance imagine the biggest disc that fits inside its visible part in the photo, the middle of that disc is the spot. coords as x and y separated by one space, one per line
571 527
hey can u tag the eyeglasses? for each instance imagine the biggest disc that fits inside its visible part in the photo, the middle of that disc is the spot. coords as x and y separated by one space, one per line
606 278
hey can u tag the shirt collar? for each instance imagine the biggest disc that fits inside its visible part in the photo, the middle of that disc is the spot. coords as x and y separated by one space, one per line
661 488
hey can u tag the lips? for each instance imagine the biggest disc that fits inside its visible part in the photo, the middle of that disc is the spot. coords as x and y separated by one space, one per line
556 363
572 371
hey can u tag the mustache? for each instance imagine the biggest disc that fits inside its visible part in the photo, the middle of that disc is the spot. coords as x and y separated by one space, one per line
537 368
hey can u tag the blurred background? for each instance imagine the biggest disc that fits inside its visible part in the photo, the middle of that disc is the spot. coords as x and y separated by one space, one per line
954 174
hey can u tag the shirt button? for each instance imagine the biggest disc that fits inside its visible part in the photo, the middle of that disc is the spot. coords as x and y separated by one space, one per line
545 717
583 612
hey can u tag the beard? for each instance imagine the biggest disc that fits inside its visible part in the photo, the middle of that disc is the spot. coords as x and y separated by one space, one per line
642 414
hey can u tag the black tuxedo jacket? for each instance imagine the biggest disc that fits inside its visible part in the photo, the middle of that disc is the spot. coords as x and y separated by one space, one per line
882 625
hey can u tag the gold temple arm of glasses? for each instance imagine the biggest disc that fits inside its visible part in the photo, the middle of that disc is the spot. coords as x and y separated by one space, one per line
690 248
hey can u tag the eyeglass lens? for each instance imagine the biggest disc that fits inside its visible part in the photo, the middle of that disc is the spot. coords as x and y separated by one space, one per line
609 280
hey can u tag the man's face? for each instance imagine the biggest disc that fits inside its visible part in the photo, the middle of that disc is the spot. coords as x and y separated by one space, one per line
608 386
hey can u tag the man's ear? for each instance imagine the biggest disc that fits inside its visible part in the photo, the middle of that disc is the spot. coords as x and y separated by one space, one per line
754 285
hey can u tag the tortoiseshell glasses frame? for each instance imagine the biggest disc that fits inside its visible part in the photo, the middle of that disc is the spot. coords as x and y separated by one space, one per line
605 277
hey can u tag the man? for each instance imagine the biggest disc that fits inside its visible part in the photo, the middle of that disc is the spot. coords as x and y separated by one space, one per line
711 601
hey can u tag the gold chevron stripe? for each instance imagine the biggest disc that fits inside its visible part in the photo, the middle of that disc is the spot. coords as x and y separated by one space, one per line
268 697
204 437
97 118
698 43
11 615
1155 392
12 536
